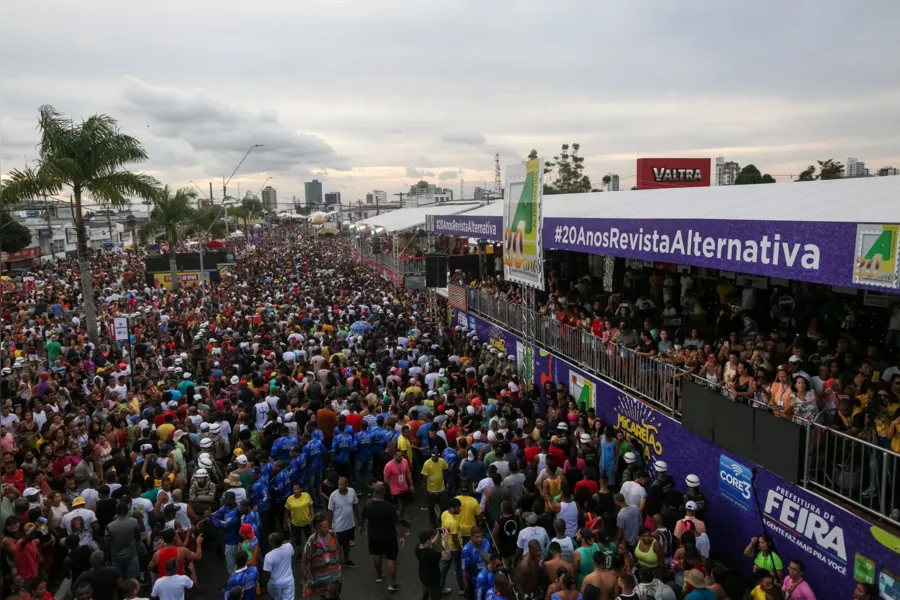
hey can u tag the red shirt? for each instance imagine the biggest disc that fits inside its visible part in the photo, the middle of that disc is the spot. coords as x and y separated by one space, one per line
559 457
454 433
530 453
62 466
588 484
353 420
17 478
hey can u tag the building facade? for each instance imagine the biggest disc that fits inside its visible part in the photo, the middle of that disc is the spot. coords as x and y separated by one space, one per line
855 168
270 198
726 171
312 190
376 197
613 183
888 171
332 198
426 193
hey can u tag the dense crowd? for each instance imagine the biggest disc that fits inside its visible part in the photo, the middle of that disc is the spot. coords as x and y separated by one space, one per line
295 403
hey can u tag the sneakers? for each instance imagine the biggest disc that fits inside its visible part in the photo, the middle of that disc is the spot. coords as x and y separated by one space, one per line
462 592
870 492
350 564
352 543
379 578
394 588
445 591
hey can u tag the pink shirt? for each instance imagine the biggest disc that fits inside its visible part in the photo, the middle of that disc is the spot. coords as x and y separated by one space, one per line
801 592
396 476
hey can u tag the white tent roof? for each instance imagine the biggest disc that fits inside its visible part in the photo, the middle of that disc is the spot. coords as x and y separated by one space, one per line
858 200
414 216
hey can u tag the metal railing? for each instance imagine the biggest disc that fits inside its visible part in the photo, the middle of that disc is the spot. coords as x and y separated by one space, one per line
656 381
855 470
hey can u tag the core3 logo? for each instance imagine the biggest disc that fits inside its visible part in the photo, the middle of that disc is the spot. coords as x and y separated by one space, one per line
875 260
735 481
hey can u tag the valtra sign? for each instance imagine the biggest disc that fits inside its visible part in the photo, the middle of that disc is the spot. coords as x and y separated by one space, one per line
664 173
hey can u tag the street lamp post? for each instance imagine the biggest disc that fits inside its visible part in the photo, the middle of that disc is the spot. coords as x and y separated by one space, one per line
225 183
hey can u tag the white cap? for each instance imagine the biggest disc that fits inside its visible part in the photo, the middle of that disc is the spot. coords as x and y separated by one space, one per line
692 480
794 358
205 463
204 426
201 473
585 438
214 428
630 458
660 466
206 443
470 410
242 460
234 380
562 426
198 397
690 505
492 437
476 436
187 375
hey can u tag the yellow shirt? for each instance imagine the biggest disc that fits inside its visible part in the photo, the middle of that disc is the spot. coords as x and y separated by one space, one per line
451 524
164 431
300 509
467 514
434 474
405 448
757 594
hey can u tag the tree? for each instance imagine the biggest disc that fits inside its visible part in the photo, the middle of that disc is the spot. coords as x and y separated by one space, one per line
13 235
606 181
209 220
249 209
750 175
533 154
633 188
90 157
830 169
566 172
170 212
827 169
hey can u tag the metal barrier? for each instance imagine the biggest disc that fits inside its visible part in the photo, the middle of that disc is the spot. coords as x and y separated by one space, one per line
856 470
654 380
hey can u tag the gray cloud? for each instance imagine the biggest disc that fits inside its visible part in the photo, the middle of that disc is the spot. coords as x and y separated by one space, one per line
445 175
469 139
414 173
225 131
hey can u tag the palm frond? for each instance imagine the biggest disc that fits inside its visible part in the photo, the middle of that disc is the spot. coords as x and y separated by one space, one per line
115 187
25 185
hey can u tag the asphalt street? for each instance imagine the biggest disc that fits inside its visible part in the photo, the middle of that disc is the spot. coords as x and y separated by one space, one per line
358 583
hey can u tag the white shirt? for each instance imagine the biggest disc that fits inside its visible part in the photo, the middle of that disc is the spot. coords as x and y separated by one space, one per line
171 587
240 494
86 535
262 414
90 496
146 507
634 493
532 533
341 505
278 563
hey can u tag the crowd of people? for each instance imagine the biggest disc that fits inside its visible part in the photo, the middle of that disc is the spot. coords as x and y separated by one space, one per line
267 419
803 354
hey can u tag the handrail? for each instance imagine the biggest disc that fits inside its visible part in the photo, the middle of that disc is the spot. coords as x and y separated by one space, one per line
853 469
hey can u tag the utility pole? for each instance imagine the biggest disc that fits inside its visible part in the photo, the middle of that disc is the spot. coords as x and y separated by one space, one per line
211 199
109 225
401 194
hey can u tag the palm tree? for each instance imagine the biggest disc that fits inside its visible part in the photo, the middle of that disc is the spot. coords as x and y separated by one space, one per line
90 158
606 181
210 220
168 216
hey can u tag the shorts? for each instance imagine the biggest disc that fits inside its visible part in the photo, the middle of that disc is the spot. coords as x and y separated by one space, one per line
406 497
382 548
345 537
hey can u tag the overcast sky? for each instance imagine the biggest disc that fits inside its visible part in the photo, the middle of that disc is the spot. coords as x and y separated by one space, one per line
379 94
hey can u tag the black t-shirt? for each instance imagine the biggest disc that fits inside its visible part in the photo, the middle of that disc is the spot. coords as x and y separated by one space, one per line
382 521
508 536
429 566
103 582
106 512
81 560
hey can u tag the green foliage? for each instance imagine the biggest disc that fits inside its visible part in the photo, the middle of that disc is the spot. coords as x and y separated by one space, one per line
827 169
210 221
171 212
566 172
750 175
14 236
533 154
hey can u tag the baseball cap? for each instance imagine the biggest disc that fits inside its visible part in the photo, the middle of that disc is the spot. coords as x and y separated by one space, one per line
78 501
242 460
690 505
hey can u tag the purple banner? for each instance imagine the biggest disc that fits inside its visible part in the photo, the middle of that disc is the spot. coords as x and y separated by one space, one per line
833 543
483 228
844 254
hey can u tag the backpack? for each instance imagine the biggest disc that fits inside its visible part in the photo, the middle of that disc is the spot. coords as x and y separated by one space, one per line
314 392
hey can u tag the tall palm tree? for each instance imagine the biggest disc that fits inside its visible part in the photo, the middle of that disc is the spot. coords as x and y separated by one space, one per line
88 158
171 209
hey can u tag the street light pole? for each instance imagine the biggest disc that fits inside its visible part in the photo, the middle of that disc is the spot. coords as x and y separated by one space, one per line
225 183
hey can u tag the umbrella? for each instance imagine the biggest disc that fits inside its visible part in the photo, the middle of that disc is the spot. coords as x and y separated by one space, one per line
361 327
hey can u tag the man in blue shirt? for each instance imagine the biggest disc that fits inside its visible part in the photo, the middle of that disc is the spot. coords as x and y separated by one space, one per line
341 446
364 449
314 457
259 497
281 489
297 466
244 577
282 446
484 583
474 553
251 517
379 436
228 519
422 433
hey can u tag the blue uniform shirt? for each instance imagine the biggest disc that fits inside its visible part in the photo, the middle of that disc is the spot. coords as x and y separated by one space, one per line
229 520
484 584
341 446
471 559
314 455
364 446
259 494
281 486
